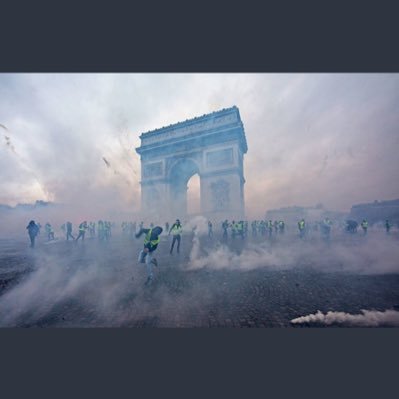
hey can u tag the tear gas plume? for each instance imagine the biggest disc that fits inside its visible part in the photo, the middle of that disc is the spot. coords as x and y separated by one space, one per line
106 285
106 162
8 144
57 282
102 285
116 172
376 254
197 224
367 318
23 163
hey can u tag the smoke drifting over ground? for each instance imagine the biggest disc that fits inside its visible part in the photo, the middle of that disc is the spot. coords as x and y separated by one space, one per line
101 284
375 254
368 318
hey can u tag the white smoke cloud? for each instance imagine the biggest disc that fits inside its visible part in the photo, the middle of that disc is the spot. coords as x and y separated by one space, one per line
63 125
98 279
377 254
367 318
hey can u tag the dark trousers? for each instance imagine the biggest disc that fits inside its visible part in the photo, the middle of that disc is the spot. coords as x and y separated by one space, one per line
32 240
69 234
81 234
175 238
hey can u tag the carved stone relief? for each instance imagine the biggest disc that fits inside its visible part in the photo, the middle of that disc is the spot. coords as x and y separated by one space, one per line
219 158
220 194
152 169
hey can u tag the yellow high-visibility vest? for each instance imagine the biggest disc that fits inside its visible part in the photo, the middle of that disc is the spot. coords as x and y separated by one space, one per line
147 239
176 230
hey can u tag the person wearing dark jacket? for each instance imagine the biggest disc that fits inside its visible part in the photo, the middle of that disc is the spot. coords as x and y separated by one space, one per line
151 241
69 231
33 230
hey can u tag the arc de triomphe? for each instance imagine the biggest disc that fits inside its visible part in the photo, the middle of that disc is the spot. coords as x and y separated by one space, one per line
212 146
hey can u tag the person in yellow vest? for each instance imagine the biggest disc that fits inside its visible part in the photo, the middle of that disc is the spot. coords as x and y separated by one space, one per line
240 229
82 231
176 231
302 227
151 241
364 226
233 229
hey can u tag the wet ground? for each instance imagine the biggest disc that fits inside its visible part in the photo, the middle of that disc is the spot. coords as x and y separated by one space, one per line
92 284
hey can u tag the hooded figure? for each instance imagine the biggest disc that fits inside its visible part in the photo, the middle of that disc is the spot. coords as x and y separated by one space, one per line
33 230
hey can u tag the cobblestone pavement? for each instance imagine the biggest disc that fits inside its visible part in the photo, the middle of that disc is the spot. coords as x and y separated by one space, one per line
67 284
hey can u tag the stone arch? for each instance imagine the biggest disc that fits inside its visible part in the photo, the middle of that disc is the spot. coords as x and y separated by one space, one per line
212 146
179 175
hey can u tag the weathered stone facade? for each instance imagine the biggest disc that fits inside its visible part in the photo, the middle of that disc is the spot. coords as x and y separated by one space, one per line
377 211
212 146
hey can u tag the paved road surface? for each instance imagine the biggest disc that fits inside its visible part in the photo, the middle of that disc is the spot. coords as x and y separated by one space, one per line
67 284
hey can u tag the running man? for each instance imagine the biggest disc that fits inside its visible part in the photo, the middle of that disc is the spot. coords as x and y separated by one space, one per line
151 241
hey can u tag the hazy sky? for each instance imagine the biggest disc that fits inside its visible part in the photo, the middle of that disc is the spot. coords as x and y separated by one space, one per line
329 138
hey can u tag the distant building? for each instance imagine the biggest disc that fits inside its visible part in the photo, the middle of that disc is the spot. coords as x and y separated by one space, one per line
291 215
376 211
27 207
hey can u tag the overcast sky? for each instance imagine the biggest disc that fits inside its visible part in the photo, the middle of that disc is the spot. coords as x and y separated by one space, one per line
312 138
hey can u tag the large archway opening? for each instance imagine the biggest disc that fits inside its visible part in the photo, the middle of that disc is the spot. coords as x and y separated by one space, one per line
180 174
194 195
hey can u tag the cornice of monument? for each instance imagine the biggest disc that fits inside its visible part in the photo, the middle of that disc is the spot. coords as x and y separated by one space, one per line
203 135
206 125
192 121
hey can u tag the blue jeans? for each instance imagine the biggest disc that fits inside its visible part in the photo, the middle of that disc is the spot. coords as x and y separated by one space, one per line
147 258
175 238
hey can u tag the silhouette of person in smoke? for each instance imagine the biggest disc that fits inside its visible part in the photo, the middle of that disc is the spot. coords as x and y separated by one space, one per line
33 231
210 229
225 226
69 231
